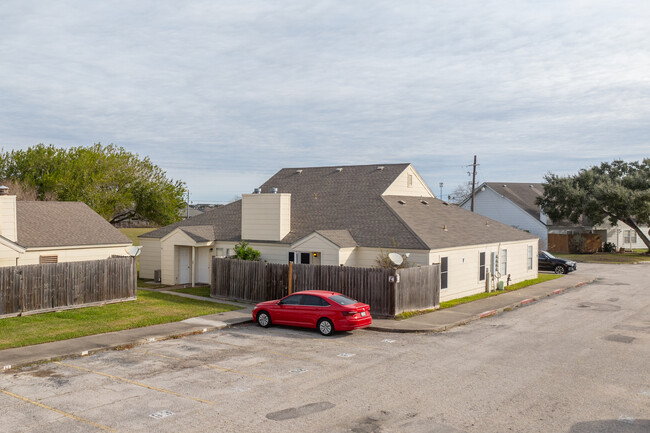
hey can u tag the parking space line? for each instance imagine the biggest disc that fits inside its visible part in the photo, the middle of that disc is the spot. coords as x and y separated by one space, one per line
60 412
229 370
360 346
166 391
238 346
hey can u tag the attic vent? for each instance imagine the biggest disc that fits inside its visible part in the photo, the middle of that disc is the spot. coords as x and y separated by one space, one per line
380 167
299 171
401 202
274 190
339 169
424 202
445 203
48 259
257 191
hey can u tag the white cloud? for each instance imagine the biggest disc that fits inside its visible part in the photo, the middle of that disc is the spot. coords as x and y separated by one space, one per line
210 89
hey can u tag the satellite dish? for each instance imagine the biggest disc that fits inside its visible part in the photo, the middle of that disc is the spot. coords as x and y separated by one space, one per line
395 258
133 251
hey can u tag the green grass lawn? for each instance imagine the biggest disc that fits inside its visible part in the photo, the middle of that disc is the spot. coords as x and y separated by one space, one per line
636 256
149 284
196 291
540 279
150 308
133 233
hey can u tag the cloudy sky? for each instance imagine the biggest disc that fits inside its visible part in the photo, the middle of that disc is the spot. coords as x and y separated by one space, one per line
222 94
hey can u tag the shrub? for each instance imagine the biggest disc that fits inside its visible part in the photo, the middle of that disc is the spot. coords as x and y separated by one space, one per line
577 244
609 247
244 252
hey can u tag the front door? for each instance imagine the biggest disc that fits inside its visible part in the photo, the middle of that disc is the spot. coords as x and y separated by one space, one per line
184 265
203 265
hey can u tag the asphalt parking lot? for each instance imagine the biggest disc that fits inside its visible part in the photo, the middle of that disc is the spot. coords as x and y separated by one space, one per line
576 362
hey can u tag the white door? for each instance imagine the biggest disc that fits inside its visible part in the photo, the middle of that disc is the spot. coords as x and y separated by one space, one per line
184 265
203 265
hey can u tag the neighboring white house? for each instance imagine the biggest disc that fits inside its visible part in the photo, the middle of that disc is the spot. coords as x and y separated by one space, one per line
34 232
345 216
515 204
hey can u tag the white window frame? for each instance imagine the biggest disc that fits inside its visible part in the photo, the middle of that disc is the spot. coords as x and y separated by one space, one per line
530 257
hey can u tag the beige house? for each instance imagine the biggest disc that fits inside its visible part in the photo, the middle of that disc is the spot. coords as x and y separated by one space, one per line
33 232
345 216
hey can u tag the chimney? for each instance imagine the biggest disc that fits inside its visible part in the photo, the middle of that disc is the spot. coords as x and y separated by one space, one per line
8 214
265 216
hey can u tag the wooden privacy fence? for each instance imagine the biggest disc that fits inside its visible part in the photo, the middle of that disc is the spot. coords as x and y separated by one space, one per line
419 288
574 243
47 287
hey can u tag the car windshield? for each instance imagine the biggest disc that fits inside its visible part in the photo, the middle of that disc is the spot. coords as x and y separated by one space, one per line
342 300
549 255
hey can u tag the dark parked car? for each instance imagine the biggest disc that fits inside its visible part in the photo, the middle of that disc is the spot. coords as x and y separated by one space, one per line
323 310
548 262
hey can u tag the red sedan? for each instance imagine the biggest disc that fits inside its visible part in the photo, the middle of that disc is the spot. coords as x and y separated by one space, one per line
325 311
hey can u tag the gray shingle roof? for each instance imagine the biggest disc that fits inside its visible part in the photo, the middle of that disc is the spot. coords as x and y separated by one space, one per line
57 224
521 194
347 208
442 225
340 238
200 233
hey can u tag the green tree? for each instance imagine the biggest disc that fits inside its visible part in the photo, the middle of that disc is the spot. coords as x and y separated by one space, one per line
115 183
245 252
617 191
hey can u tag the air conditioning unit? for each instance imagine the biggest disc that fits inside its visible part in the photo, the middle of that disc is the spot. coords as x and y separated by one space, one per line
157 275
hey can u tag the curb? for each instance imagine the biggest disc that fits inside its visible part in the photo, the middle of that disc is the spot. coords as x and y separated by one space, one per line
482 315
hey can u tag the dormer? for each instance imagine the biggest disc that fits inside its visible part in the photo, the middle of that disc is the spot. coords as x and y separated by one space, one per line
409 183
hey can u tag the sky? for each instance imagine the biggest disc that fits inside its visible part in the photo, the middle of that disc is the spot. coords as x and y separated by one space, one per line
222 94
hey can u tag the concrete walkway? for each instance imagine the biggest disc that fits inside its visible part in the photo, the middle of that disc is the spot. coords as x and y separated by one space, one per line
436 321
441 320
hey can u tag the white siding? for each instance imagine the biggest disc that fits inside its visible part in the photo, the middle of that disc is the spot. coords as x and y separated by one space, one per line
366 257
615 234
315 243
463 267
400 185
150 257
266 217
7 256
494 206
72 254
8 217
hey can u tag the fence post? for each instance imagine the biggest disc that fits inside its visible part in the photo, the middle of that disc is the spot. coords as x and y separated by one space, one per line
393 293
290 275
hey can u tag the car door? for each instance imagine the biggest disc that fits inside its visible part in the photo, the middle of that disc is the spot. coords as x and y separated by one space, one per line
311 307
544 263
288 310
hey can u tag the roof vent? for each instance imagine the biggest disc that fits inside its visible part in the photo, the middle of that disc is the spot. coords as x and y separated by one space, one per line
339 169
380 167
424 202
505 186
445 203
445 227
401 202
257 191
299 171
531 186
274 190
4 190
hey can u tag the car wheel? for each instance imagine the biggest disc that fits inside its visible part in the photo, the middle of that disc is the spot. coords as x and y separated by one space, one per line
263 319
560 270
325 327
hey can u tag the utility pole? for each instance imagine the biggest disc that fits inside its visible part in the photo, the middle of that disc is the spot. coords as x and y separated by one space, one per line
441 185
473 181
188 202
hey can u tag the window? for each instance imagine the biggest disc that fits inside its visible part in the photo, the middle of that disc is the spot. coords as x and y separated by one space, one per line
504 262
629 237
409 180
292 300
292 256
530 257
481 266
304 258
313 301
444 272
342 300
